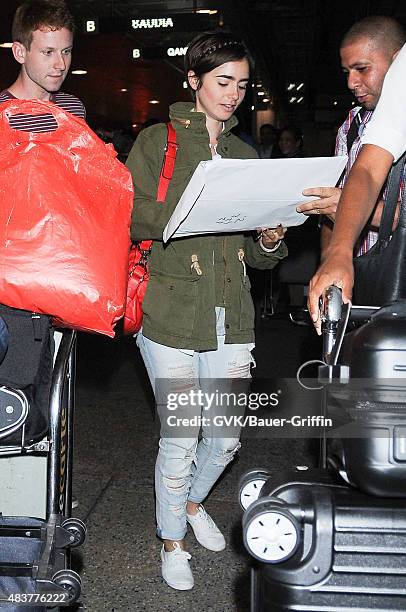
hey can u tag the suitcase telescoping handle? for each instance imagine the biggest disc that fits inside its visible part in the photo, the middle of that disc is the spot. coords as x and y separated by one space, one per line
331 312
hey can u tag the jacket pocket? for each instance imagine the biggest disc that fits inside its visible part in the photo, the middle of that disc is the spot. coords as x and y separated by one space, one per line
170 303
247 311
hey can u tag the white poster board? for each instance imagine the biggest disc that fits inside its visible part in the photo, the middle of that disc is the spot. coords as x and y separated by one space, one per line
236 195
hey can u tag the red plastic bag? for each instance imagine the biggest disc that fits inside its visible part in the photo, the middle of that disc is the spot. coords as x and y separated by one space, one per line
65 212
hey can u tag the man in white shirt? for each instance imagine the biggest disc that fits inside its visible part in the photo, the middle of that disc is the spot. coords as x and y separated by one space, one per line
384 141
367 50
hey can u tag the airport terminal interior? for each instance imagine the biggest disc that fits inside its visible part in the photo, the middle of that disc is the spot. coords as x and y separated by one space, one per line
127 68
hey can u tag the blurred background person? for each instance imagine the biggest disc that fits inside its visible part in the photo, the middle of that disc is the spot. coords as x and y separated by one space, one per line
291 142
268 142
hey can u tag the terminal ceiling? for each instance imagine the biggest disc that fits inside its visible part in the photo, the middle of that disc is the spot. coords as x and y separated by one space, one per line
292 41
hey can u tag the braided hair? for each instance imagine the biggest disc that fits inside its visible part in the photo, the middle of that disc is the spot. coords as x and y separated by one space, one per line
209 50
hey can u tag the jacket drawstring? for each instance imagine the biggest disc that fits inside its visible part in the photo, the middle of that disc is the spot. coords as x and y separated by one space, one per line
241 256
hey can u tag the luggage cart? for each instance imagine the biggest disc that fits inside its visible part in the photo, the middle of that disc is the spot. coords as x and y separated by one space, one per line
333 538
37 531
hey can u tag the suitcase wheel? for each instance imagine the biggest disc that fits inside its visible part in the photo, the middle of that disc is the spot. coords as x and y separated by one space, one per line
70 581
272 535
77 529
250 486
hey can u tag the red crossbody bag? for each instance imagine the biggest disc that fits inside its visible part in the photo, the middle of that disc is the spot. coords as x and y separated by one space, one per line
138 273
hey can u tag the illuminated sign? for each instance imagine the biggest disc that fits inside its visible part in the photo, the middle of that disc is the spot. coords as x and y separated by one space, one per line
152 24
149 24
91 26
175 51
152 53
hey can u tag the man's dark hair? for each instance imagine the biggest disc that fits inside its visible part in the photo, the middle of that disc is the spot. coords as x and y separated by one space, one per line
36 14
385 32
209 50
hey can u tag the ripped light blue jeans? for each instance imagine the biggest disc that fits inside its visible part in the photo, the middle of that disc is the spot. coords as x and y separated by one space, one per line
188 467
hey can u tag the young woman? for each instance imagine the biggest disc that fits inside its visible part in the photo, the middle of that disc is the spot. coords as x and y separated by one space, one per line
198 314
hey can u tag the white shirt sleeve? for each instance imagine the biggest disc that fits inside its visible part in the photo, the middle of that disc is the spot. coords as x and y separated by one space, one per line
387 127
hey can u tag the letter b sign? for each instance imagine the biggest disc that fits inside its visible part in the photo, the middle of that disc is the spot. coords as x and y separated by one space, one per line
91 26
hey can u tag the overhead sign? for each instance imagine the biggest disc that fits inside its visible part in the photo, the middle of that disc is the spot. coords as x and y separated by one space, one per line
176 51
91 26
186 22
150 53
152 24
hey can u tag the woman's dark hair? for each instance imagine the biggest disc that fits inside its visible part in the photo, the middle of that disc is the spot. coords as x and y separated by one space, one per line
209 50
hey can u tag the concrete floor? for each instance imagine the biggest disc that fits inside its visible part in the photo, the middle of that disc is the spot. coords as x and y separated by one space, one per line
115 448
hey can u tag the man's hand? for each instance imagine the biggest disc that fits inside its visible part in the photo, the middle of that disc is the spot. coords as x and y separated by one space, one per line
338 270
326 204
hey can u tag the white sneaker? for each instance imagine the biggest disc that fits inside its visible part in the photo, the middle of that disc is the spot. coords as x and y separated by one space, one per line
206 531
175 568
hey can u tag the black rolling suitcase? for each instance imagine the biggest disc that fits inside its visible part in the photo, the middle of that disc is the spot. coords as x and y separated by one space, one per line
335 539
36 436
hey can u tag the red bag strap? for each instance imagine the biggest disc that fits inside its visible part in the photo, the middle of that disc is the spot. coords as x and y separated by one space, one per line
145 245
168 164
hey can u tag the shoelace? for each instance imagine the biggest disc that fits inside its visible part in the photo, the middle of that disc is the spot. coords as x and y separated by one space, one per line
179 552
206 517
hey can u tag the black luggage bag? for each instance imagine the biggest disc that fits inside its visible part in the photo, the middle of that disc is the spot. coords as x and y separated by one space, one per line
334 540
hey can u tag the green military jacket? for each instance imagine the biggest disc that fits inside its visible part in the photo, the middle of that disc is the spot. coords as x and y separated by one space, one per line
191 276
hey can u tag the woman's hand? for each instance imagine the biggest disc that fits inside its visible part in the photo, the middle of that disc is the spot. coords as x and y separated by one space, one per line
271 235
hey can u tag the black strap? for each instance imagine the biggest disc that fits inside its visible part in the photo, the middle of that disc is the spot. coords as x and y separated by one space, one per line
391 200
402 211
393 184
351 136
354 128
